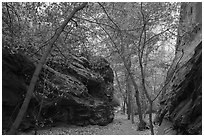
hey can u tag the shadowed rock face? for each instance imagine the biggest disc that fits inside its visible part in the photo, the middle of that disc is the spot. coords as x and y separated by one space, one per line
181 106
78 92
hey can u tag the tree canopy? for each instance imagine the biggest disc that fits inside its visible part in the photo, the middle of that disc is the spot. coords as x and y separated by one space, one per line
135 36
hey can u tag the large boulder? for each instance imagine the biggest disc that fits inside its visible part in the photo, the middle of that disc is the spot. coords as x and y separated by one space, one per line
16 70
181 103
76 91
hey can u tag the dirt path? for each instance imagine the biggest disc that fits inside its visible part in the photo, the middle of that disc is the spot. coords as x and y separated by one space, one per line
119 126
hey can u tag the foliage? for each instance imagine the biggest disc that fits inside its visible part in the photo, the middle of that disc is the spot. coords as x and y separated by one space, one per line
106 29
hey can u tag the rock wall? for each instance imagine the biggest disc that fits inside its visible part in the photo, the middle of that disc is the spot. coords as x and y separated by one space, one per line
77 91
181 105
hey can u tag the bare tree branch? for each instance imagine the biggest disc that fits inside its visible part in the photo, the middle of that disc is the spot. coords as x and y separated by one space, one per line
94 22
108 15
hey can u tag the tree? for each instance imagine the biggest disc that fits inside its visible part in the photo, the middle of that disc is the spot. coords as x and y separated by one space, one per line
114 23
142 45
38 69
146 40
130 35
121 51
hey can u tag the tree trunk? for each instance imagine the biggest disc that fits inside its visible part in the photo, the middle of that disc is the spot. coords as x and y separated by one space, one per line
143 104
150 118
34 79
132 109
124 106
142 124
147 95
118 82
128 96
120 89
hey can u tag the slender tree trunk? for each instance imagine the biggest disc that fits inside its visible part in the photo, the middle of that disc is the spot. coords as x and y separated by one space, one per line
124 103
124 106
118 82
147 95
150 118
141 49
129 108
34 79
143 104
150 106
127 63
120 89
142 124
132 109
128 96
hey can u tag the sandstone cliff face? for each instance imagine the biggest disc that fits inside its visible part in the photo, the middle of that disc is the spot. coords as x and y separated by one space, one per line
79 92
181 106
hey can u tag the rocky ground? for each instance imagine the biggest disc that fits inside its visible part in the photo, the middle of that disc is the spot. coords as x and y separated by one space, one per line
119 126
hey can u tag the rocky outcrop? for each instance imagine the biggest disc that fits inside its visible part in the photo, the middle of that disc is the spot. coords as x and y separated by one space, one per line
16 70
181 106
76 91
